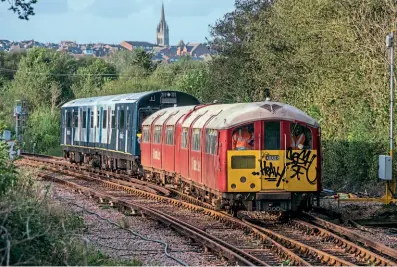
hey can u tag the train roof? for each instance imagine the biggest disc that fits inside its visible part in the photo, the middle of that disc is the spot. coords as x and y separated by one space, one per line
240 113
111 99
225 116
89 101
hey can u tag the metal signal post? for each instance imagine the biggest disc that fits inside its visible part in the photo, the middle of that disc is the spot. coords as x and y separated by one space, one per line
391 185
20 114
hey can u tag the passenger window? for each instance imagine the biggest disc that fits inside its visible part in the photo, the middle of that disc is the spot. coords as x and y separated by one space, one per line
121 119
104 119
210 141
128 118
301 137
84 119
113 120
157 135
92 119
68 119
97 119
272 135
184 137
76 119
196 140
170 135
243 137
146 134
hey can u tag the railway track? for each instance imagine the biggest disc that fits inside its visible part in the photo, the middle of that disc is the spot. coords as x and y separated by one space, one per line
299 242
323 241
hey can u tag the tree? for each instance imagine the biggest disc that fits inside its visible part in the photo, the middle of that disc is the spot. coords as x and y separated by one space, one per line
125 60
39 72
89 80
24 8
232 72
9 63
43 129
195 82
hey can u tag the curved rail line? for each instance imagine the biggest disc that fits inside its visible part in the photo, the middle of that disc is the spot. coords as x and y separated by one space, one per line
226 250
340 230
281 244
277 249
362 254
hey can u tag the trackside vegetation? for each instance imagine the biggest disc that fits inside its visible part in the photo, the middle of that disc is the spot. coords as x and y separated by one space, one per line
35 231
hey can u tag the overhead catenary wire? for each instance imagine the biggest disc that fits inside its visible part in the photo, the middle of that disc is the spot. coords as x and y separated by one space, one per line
166 73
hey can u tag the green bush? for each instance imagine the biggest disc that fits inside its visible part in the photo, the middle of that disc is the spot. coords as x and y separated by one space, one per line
35 230
38 232
44 126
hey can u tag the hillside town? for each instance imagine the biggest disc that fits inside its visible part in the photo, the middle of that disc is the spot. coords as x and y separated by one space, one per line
161 51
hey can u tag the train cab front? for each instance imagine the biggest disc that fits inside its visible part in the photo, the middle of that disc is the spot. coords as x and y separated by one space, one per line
272 168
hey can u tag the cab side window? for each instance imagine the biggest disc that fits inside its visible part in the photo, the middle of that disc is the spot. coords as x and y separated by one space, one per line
301 137
243 137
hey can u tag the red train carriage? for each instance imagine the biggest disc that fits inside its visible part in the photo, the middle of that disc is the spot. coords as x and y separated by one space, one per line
200 150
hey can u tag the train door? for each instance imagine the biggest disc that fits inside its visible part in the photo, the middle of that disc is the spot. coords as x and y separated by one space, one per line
88 133
301 158
210 158
103 127
130 135
112 131
195 155
84 128
68 126
184 153
75 125
78 128
100 126
272 163
121 127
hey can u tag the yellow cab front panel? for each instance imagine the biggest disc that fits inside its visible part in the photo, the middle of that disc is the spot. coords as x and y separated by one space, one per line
264 170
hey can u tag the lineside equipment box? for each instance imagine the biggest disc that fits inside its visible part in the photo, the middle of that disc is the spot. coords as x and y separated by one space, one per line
385 167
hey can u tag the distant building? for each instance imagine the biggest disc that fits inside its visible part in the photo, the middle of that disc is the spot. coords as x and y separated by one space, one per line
161 50
88 51
191 49
130 45
162 34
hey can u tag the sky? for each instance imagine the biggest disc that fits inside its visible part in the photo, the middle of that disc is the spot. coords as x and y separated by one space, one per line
92 21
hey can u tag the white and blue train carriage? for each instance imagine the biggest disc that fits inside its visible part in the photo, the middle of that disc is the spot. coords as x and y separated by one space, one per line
104 129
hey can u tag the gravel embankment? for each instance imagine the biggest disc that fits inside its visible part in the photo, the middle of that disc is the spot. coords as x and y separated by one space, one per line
122 244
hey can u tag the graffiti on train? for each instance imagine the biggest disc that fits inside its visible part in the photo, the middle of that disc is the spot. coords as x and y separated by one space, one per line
298 164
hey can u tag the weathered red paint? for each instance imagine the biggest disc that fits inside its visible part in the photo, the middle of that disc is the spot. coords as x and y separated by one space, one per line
209 170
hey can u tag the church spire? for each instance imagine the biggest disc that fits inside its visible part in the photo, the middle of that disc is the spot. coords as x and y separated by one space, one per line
162 18
162 29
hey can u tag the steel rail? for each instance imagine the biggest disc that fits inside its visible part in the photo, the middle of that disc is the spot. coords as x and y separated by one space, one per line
322 256
108 174
226 250
353 236
349 247
259 233
225 218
